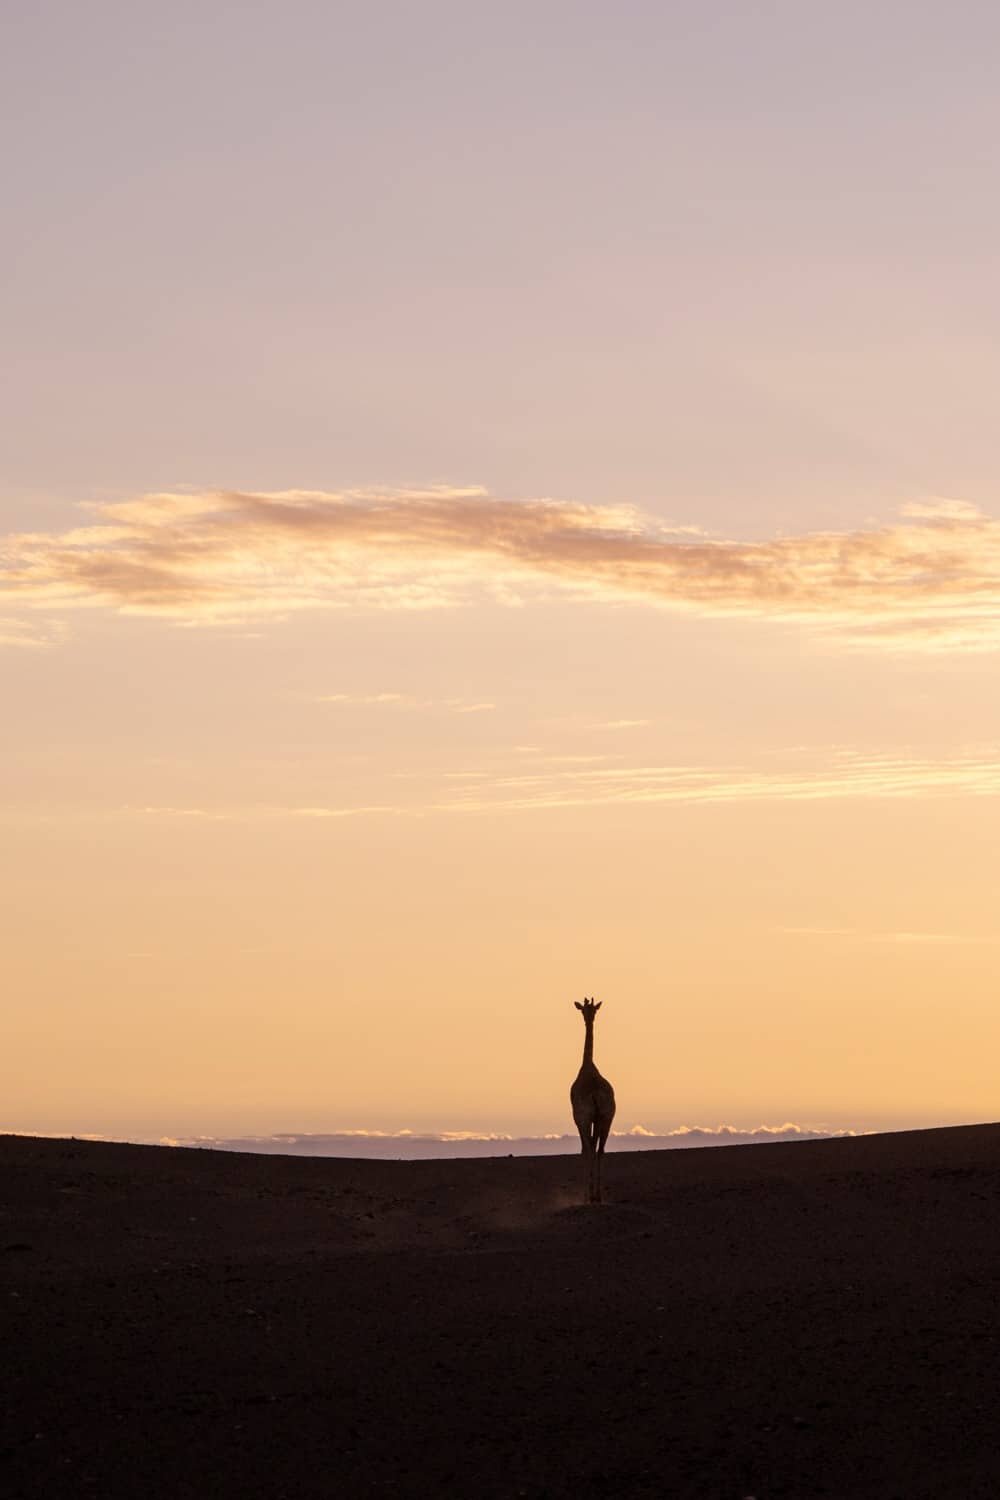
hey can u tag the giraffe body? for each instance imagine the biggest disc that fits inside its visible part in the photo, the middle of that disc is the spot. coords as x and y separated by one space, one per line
593 1102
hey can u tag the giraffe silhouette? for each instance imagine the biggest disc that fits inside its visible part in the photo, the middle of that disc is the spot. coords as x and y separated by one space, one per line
593 1101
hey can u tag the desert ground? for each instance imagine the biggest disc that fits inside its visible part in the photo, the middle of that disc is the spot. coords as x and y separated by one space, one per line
795 1320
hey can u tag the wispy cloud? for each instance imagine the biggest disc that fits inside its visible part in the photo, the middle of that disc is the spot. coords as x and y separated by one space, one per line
929 580
31 633
915 938
405 700
537 783
843 774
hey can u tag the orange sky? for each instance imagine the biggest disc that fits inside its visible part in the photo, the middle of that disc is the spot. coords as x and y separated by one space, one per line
351 870
492 512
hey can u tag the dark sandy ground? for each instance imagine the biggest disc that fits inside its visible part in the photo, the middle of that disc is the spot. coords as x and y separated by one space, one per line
784 1320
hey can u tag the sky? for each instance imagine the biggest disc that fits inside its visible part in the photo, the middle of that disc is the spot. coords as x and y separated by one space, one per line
498 504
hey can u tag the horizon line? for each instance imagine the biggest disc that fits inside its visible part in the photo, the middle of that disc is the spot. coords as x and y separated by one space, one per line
415 1144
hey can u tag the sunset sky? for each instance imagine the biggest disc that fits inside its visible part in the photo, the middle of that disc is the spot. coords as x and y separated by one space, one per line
498 503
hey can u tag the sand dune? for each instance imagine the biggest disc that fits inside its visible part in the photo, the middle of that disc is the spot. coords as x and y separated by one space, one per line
815 1319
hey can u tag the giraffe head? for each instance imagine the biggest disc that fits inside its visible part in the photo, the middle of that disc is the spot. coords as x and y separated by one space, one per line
588 1009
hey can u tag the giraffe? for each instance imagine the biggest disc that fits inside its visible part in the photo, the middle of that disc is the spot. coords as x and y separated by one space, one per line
593 1101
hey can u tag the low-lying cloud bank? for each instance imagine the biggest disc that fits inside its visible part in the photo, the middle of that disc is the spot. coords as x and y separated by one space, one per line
929 580
411 1145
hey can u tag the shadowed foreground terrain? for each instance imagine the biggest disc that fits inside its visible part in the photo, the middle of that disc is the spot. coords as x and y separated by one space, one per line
784 1320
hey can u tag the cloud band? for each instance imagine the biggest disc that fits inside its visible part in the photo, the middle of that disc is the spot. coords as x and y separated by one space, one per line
930 579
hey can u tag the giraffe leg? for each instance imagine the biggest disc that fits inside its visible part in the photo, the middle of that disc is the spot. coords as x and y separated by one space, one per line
602 1137
585 1151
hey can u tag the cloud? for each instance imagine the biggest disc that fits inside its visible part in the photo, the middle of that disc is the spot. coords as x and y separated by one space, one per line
914 938
724 1135
32 633
844 773
929 580
537 783
416 1145
405 700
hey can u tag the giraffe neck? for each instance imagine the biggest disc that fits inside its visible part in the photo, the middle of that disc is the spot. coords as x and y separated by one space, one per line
588 1044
